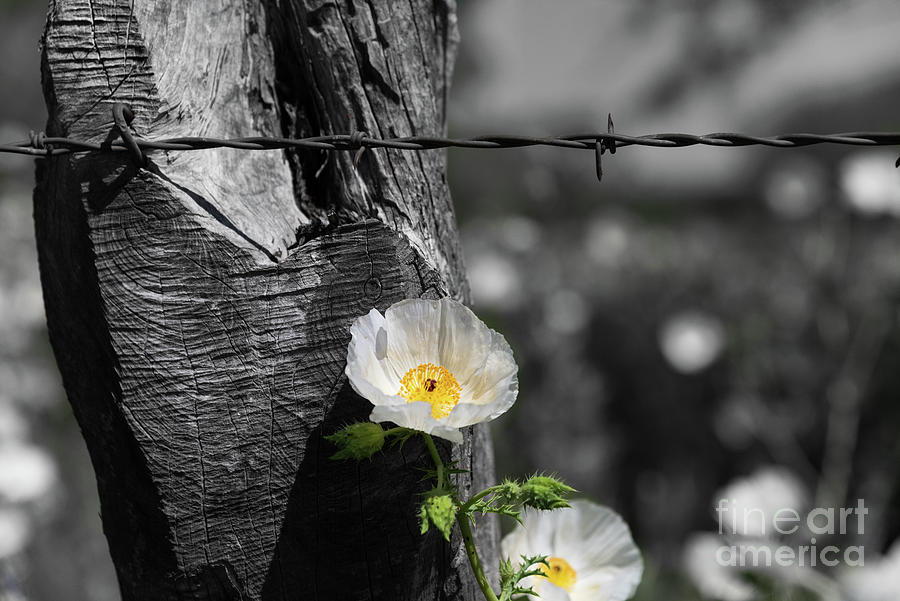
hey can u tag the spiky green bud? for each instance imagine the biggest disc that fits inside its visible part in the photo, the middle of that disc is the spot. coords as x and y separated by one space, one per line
507 571
357 441
545 492
508 492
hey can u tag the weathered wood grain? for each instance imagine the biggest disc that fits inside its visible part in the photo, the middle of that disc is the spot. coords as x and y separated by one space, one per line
199 308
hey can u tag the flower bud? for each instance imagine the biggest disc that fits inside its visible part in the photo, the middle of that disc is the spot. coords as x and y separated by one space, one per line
357 441
508 493
545 492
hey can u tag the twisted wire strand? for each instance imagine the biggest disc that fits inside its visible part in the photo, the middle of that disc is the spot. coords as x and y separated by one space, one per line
52 146
42 146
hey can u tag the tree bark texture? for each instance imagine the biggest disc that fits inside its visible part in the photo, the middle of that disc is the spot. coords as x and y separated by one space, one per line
199 307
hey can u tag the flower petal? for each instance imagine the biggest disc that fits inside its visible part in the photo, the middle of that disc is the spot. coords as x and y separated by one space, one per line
608 563
515 544
534 538
368 372
550 592
712 579
416 416
464 341
466 414
496 376
412 334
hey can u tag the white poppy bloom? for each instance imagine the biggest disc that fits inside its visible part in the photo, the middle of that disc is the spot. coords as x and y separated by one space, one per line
432 366
591 553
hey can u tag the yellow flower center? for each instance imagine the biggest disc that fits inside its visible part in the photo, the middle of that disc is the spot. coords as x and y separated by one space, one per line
559 573
432 384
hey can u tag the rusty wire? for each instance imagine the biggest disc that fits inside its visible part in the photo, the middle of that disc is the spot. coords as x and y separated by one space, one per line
41 146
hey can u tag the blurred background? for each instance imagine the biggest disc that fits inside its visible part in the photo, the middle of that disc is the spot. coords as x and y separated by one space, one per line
704 323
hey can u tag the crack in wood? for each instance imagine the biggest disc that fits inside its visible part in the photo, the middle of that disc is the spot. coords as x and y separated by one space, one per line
97 48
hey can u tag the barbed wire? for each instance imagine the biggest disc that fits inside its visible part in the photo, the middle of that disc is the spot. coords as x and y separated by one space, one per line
41 146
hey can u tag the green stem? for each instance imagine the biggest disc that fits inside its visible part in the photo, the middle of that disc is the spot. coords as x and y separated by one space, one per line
475 498
472 554
462 518
437 459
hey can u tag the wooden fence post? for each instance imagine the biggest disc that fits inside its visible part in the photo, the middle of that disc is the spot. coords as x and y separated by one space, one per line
199 305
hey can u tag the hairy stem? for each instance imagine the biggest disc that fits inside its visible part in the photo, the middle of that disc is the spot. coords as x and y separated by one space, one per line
465 507
429 442
462 518
472 553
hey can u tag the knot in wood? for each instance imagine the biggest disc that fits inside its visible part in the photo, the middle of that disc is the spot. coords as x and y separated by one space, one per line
372 289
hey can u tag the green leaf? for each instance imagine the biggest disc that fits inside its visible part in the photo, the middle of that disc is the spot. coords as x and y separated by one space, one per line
423 518
357 441
439 509
510 578
484 507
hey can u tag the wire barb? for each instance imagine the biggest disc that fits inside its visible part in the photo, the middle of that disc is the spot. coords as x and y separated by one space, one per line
357 142
122 117
37 140
603 144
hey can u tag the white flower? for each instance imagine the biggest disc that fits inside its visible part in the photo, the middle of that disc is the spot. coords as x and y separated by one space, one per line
878 580
691 341
431 366
494 279
27 472
747 506
871 183
591 553
15 531
712 579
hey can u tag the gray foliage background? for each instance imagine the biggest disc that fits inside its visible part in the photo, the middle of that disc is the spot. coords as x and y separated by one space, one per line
700 315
